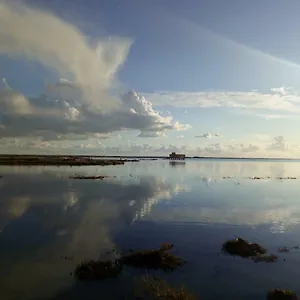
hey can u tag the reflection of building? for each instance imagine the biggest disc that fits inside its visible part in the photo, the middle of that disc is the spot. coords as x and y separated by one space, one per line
176 156
177 163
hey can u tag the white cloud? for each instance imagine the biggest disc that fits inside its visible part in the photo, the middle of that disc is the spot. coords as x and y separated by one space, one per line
279 144
55 114
60 46
81 104
271 116
285 100
208 135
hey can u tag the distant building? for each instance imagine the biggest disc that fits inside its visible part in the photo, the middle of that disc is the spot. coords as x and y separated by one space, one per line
176 156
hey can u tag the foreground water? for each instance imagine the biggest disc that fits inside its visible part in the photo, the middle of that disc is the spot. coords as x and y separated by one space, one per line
45 215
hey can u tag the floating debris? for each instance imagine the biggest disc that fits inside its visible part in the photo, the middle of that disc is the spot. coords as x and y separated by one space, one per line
243 248
88 177
153 259
158 289
277 294
296 247
97 270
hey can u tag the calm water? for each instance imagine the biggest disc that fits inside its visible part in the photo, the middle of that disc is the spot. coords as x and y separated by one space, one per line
44 215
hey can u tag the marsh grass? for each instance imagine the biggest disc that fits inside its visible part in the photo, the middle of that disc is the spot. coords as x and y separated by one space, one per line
155 288
154 259
243 248
277 294
97 270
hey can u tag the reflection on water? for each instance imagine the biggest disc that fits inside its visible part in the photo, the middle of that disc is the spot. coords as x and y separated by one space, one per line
44 215
177 163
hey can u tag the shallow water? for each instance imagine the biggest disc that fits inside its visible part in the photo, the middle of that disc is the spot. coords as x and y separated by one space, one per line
44 215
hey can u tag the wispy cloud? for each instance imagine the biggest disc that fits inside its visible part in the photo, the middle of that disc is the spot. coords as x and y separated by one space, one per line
60 46
284 100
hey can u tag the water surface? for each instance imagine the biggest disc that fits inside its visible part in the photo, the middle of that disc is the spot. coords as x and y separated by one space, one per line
44 215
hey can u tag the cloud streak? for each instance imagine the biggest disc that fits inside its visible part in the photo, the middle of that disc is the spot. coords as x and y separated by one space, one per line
284 100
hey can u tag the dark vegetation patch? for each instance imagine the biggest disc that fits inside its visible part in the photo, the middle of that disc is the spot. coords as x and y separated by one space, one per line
147 259
243 248
277 294
88 177
265 258
59 160
97 270
148 287
154 259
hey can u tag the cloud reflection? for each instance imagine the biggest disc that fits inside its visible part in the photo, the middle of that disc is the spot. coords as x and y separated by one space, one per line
47 216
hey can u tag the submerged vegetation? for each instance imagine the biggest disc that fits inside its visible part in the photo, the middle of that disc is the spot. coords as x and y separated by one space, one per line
149 259
243 248
277 294
97 270
154 259
149 287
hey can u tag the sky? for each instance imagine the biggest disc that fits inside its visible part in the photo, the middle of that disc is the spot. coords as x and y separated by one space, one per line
206 78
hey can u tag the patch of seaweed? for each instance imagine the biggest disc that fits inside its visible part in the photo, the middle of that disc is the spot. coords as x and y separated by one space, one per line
277 294
243 248
283 250
154 259
97 270
158 289
265 258
88 177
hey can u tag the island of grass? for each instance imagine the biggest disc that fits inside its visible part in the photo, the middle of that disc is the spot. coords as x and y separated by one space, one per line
59 160
153 259
245 249
146 259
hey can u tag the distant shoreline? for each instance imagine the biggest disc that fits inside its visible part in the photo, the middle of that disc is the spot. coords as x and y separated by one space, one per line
58 160
94 159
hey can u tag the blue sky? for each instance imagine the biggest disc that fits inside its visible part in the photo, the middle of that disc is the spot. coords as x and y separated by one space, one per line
226 71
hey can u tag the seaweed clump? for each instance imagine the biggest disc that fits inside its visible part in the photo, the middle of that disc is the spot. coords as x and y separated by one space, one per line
283 250
158 289
265 258
277 294
243 248
154 259
97 270
88 177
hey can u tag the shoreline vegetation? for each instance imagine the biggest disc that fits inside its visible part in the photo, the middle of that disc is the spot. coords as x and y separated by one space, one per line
150 286
59 160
